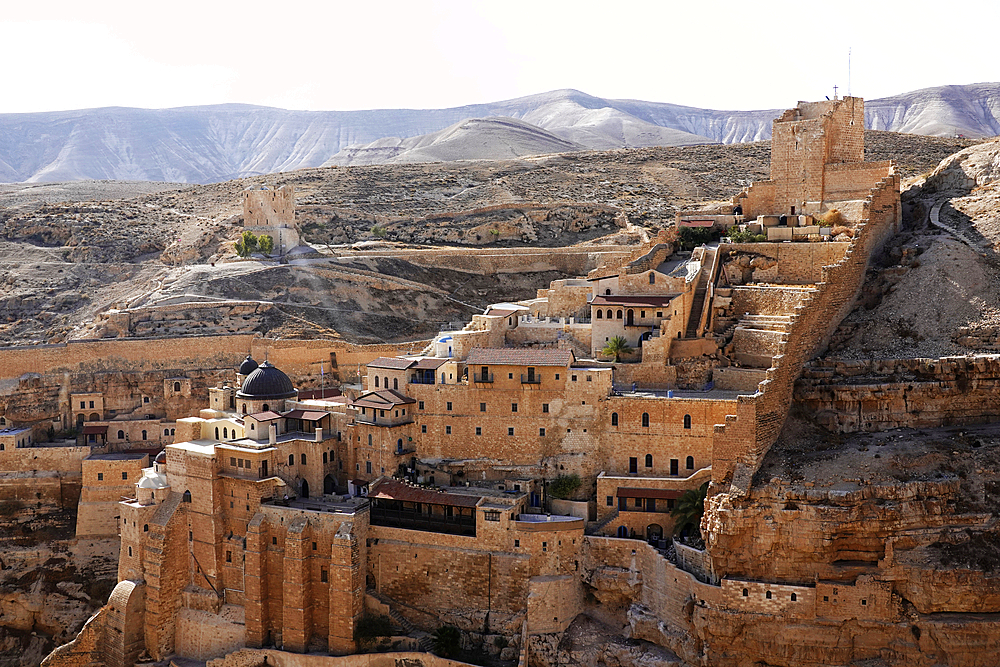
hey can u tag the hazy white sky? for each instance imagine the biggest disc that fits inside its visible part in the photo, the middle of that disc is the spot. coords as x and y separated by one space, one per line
426 54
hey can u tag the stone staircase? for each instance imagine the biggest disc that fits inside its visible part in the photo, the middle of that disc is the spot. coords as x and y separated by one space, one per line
701 292
599 526
424 641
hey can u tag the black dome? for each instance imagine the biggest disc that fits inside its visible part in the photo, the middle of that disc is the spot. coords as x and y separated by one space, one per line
161 457
248 366
266 381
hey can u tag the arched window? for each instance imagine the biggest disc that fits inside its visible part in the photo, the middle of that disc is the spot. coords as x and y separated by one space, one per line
121 435
225 433
609 314
622 531
265 407
144 437
332 455
395 383
385 382
216 432
689 463
649 460
302 459
793 597
376 382
166 431
614 419
186 498
173 431
291 459
177 386
652 278
324 457
687 421
599 313
244 408
145 528
768 595
645 419
3 421
745 592
618 315
399 445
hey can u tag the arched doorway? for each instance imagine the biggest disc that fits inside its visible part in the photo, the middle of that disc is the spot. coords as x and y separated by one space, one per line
622 531
644 337
329 485
304 489
630 318
654 531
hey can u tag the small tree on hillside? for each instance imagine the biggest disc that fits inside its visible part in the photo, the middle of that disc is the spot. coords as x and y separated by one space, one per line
616 347
266 244
246 244
447 641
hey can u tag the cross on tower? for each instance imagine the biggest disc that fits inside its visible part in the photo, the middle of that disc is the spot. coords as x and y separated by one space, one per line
835 92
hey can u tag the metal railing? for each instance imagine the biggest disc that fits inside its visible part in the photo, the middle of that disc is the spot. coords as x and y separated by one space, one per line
482 377
531 379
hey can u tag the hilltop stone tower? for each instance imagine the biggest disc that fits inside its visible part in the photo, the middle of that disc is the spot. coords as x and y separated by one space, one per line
807 142
271 212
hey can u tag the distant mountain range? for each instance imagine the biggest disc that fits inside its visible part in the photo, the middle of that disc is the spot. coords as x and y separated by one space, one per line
216 143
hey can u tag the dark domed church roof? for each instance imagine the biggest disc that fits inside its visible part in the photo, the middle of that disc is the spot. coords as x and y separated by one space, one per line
248 366
266 382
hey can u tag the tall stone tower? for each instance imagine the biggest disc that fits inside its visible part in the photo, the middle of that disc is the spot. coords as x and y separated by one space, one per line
270 212
810 140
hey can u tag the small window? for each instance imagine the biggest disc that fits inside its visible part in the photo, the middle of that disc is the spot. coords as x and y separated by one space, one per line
589 378
177 386
121 435
92 403
545 407
124 475
291 459
746 592
614 419
768 595
611 501
482 407
100 476
449 405
323 576
491 515
130 551
144 436
324 457
557 376
513 407
826 598
274 540
145 528
863 602
510 430
645 420
541 432
423 428
649 460
447 430
652 278
479 430
229 556
659 313
314 546
420 405
689 463
795 598
166 431
638 502
368 467
303 459
573 378
599 314
376 382
145 399
517 543
687 421
510 376
618 315
545 546
232 462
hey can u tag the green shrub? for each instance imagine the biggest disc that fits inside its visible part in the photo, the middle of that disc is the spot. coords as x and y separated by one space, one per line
564 486
371 626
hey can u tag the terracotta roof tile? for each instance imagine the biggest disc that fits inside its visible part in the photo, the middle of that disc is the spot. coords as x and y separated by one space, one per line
487 356
390 489
392 363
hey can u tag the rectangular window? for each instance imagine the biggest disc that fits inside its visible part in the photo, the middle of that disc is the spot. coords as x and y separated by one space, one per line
633 465
420 405
638 502
447 430
513 407
545 407
510 431
368 467
229 556
100 476
423 428
274 540
314 546
479 430
82 405
482 407
517 543
573 378
323 577
589 378
545 546
659 313
510 376
92 403
232 461
541 432
557 376
491 515
124 475
449 405
611 501
674 466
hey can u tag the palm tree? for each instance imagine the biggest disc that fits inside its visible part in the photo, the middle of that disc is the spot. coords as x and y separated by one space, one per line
616 347
689 509
447 641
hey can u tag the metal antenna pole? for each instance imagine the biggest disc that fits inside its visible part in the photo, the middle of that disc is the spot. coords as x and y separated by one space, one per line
848 71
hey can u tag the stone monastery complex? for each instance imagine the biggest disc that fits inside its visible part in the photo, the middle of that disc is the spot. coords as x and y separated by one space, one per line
276 518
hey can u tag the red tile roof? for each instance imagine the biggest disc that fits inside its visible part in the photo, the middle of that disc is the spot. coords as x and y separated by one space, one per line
95 429
390 489
650 300
308 415
489 356
267 416
383 399
430 363
392 363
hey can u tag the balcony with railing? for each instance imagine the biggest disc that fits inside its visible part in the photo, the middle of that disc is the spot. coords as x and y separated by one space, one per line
393 514
531 378
484 378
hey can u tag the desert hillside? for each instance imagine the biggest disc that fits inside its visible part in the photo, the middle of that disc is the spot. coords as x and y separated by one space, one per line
71 253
